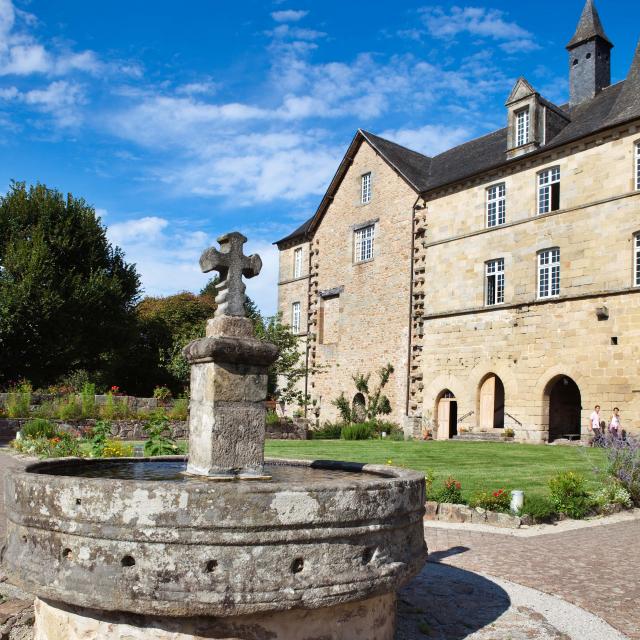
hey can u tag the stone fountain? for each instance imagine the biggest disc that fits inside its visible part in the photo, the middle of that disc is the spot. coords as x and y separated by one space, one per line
225 544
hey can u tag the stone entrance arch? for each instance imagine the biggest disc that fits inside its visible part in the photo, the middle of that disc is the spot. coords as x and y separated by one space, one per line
491 403
563 406
447 412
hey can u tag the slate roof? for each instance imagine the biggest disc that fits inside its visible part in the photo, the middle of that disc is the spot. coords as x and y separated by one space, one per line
614 105
589 27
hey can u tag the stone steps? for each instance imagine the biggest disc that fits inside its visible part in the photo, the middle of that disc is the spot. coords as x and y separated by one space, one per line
481 437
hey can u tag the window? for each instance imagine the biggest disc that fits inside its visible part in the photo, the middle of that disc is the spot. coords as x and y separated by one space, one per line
297 263
295 317
638 165
364 243
366 188
549 273
496 205
636 258
495 282
522 127
549 190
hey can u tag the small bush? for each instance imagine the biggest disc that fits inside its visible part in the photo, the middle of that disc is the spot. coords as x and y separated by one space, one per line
272 418
569 495
99 435
508 433
623 464
358 431
39 428
613 493
450 492
160 440
113 408
61 445
499 500
180 410
69 408
329 431
19 401
88 400
46 410
162 393
117 449
540 510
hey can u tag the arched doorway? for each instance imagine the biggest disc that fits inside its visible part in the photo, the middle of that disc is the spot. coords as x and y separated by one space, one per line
358 408
562 397
491 410
447 411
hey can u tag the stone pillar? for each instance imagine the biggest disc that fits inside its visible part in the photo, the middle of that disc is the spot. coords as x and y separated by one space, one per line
228 392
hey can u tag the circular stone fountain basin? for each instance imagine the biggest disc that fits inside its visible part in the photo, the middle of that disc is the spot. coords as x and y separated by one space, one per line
138 536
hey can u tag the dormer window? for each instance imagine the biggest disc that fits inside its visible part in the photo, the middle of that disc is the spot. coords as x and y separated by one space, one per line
522 127
365 189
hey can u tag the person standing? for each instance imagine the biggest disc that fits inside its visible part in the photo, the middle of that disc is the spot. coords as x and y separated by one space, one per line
614 425
595 425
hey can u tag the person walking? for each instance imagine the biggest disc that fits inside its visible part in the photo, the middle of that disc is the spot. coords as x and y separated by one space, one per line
614 425
595 426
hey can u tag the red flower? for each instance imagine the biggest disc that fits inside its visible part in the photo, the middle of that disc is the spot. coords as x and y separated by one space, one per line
458 485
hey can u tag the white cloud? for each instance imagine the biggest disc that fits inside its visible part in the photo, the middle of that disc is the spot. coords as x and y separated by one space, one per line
59 99
149 228
430 139
289 15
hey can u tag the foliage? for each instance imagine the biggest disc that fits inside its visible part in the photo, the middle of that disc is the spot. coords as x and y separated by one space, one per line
162 393
623 464
375 402
99 435
113 408
67 295
69 408
61 445
613 493
357 431
540 510
499 500
508 433
160 440
569 495
73 382
88 400
450 492
39 428
180 410
19 398
329 431
117 449
272 418
429 479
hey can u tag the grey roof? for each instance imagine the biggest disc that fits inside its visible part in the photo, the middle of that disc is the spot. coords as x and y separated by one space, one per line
614 105
589 27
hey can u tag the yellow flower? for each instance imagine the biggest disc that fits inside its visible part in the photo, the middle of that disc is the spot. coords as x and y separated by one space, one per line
389 461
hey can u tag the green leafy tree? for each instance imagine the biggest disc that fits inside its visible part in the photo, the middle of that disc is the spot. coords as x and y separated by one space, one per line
375 402
67 296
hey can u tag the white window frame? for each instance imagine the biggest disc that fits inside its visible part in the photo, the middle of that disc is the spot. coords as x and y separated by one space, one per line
546 180
363 243
637 166
496 205
494 282
549 273
523 127
365 188
297 262
636 259
296 317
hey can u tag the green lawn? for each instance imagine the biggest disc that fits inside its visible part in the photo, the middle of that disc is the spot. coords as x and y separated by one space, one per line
477 465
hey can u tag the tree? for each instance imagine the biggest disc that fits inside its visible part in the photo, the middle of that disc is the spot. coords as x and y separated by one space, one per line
67 296
374 404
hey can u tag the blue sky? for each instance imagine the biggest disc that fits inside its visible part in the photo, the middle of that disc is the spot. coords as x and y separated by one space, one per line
182 121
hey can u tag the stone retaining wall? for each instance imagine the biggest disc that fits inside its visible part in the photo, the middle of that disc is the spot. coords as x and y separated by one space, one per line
134 403
285 430
460 513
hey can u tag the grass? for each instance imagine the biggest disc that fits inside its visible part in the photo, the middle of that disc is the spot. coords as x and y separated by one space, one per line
477 465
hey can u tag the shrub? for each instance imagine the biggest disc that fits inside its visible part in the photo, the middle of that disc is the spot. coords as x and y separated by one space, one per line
117 449
19 401
451 492
613 493
61 445
39 428
69 408
623 464
358 431
540 510
569 495
88 400
390 428
114 408
499 500
101 431
160 440
329 431
508 433
46 410
429 479
162 393
180 409
272 418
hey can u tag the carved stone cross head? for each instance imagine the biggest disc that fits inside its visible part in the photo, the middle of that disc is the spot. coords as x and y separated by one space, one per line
232 264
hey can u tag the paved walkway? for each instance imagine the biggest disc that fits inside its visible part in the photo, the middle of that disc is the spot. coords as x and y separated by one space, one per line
596 568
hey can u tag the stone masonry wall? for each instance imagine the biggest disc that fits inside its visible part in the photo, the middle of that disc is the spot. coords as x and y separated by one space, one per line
527 342
368 324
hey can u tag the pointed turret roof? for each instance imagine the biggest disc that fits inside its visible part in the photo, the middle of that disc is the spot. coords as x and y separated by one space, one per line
627 105
589 27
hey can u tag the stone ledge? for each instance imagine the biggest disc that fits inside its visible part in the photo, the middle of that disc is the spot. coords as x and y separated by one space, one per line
461 513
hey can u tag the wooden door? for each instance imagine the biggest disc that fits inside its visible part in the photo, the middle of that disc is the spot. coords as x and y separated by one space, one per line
444 413
488 403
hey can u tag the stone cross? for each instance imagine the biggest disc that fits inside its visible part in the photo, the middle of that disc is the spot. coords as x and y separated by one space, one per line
232 264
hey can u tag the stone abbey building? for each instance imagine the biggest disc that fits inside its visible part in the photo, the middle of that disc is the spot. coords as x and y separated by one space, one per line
500 278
